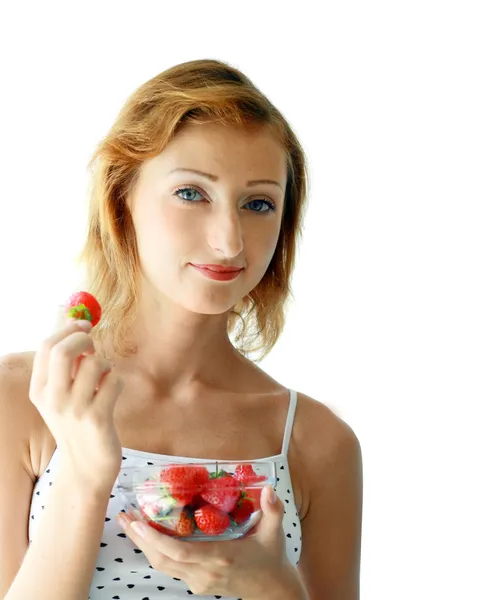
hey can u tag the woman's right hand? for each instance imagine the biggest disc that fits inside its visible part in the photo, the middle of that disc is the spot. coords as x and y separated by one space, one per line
75 392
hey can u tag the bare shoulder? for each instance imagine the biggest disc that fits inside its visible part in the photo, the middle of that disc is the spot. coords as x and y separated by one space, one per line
324 448
21 434
16 409
15 373
16 366
329 461
319 432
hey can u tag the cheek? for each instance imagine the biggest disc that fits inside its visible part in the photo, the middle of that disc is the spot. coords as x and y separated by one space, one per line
163 230
261 242
181 224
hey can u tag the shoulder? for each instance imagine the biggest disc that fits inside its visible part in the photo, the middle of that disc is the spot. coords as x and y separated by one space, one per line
15 373
324 446
330 465
321 430
17 412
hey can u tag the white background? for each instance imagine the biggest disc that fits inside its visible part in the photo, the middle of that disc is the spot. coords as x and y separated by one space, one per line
386 327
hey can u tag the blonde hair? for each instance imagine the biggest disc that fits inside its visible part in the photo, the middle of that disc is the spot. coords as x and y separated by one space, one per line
191 92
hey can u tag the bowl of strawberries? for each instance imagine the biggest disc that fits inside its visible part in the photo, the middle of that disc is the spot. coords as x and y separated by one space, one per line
202 501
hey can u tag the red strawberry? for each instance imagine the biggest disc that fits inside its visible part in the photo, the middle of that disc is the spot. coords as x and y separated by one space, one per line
177 523
83 305
253 494
211 520
200 475
243 472
183 482
222 491
246 474
186 525
242 512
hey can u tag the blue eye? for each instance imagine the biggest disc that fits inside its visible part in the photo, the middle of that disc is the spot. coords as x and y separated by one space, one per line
189 191
261 206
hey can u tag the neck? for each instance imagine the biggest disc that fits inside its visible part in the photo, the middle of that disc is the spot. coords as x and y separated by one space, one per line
179 349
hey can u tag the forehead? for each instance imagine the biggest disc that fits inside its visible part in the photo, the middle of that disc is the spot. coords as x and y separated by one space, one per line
254 153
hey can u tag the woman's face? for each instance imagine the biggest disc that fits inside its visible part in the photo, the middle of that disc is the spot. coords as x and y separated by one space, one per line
230 217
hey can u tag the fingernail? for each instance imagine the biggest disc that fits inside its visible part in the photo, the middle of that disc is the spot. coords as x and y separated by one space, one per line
139 528
82 323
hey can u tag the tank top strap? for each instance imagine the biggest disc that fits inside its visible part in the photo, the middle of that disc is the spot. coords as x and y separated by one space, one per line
289 422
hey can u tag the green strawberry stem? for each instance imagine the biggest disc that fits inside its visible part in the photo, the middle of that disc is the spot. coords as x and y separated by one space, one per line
217 474
244 496
165 515
80 312
163 518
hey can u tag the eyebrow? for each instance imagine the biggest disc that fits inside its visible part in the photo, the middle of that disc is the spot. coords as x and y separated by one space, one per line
215 178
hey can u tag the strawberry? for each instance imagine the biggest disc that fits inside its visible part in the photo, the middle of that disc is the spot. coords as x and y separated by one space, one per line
200 475
246 474
183 482
211 520
253 494
243 511
223 492
243 472
186 525
83 305
177 523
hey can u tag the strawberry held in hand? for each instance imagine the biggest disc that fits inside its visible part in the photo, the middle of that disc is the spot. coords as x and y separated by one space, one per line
83 305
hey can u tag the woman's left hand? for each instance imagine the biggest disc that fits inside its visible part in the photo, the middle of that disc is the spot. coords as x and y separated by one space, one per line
255 566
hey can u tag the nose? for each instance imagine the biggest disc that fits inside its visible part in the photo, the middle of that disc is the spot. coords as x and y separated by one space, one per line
225 233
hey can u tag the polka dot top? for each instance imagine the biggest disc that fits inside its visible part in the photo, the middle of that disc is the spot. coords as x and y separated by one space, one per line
122 571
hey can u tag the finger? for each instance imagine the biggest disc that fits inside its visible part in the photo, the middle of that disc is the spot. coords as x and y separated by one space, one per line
157 560
76 365
270 524
253 531
110 386
78 360
179 551
90 372
42 356
62 356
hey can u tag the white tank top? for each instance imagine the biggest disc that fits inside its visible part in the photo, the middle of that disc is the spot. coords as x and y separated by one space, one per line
122 571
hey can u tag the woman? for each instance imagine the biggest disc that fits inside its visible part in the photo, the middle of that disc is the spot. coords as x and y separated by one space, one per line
200 174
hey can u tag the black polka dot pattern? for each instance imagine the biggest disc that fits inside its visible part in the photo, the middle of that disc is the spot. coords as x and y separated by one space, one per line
122 571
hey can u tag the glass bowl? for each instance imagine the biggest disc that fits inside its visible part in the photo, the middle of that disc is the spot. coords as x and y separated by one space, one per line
197 501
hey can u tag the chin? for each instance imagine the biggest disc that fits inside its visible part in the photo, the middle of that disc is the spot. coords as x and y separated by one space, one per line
208 307
204 298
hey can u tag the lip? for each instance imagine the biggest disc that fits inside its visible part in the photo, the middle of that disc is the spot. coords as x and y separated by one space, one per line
218 272
218 268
